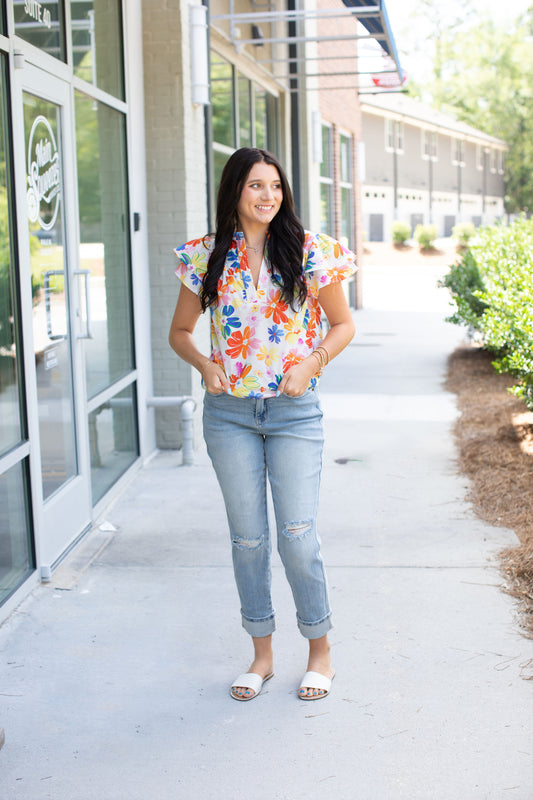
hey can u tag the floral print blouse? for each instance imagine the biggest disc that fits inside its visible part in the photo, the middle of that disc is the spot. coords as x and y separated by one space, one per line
255 336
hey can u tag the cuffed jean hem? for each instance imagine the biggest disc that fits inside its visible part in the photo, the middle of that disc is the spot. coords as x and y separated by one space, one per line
315 630
259 627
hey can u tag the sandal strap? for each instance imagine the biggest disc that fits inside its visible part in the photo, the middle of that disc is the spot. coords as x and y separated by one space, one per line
249 680
315 680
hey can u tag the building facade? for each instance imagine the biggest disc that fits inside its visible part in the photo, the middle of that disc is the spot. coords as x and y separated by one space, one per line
422 166
117 118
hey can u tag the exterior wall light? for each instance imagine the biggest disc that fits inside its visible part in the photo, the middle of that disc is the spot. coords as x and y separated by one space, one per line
199 55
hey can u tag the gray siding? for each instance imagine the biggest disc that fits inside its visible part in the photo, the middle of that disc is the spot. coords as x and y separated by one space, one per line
412 168
379 163
444 172
472 177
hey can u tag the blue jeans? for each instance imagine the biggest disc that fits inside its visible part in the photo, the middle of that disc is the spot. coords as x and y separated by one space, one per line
248 439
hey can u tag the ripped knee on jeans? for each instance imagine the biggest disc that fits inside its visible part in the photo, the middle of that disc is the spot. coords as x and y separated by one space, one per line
246 544
297 529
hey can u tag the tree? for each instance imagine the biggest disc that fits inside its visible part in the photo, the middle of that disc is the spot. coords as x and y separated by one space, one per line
483 75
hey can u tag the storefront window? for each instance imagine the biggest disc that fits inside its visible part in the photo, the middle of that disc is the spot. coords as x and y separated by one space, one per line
255 110
16 556
326 182
42 25
10 427
113 440
97 44
104 240
346 188
261 120
50 292
245 112
222 101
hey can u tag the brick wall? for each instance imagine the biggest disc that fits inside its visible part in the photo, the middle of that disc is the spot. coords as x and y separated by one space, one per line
176 178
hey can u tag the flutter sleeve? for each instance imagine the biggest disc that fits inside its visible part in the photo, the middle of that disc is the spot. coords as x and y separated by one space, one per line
192 262
325 261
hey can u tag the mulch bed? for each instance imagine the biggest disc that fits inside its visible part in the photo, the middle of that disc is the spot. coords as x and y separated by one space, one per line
494 436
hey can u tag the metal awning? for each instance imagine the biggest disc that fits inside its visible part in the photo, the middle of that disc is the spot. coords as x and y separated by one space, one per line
371 14
378 25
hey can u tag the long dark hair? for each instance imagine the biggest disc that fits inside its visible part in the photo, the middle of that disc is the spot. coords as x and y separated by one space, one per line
286 239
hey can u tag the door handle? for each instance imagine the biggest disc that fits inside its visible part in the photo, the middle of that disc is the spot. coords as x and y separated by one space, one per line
87 334
48 291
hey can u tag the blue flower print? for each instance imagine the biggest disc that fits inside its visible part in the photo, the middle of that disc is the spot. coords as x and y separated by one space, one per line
232 258
275 334
309 264
273 385
196 280
246 279
227 321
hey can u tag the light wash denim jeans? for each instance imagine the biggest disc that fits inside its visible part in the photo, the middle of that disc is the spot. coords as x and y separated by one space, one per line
248 439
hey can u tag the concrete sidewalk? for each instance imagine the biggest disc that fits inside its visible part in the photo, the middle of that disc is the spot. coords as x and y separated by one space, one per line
114 678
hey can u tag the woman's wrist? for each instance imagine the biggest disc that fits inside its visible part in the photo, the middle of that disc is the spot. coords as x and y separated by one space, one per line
320 356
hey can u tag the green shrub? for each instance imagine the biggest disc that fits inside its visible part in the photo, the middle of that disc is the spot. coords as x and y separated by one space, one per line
492 288
425 235
401 231
465 285
463 232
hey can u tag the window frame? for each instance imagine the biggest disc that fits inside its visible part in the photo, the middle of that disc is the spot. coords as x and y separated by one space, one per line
346 185
458 151
326 178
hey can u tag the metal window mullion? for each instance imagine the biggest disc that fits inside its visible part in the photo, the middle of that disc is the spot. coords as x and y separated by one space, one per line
252 113
14 457
93 91
235 101
115 388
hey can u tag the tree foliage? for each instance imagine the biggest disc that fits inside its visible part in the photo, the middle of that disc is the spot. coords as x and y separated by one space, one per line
483 75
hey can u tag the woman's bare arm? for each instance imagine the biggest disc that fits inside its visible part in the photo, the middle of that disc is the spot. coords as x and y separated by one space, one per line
341 331
186 315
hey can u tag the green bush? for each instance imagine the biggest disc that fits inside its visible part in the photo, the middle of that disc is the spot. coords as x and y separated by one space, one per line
425 235
463 232
492 288
401 231
465 284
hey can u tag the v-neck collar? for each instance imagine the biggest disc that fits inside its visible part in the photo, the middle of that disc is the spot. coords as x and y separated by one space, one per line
245 265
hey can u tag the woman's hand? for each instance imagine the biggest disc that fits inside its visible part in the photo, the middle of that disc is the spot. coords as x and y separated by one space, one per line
297 378
214 378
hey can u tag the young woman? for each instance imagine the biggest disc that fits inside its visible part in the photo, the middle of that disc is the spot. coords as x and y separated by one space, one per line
266 282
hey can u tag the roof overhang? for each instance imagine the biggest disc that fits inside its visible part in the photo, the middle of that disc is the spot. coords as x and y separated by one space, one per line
377 24
372 16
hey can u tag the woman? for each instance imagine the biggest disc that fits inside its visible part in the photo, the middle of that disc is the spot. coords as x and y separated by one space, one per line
265 282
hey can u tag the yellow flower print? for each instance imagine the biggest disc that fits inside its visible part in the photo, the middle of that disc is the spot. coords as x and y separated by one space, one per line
293 330
267 354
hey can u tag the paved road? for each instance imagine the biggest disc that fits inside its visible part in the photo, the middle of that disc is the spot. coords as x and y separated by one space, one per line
114 678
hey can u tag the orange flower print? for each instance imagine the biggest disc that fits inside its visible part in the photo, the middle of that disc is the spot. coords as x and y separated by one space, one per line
276 309
240 342
291 359
242 372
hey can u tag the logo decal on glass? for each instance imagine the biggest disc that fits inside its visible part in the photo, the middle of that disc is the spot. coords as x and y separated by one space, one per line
44 177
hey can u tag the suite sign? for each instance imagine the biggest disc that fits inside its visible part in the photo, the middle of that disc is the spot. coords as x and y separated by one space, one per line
44 175
38 12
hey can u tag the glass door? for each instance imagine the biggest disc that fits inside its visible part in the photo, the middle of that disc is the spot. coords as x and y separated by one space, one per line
58 307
